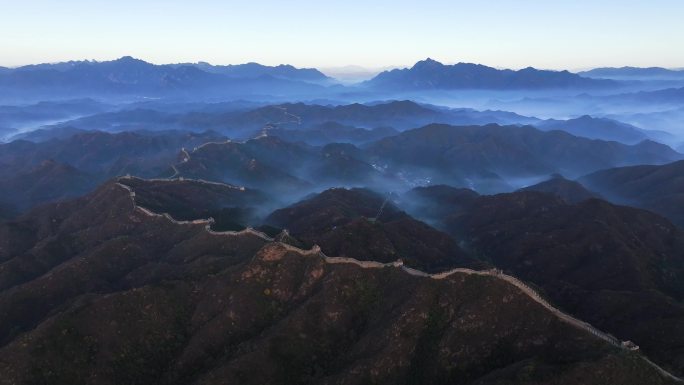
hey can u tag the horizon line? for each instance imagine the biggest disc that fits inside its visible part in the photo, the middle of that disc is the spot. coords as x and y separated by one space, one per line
320 68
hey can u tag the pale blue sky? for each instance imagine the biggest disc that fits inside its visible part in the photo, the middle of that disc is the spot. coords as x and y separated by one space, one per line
557 34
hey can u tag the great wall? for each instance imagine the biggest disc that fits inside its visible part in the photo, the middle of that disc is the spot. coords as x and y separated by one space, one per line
496 273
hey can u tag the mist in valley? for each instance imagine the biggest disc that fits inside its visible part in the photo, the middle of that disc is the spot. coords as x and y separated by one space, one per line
341 135
206 193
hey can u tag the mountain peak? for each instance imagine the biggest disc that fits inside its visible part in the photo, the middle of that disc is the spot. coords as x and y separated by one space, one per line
427 64
129 59
569 190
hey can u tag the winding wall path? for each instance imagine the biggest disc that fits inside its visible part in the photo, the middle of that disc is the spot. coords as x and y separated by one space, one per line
498 274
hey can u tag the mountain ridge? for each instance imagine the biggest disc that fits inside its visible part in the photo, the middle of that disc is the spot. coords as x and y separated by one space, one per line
213 334
129 77
431 74
634 72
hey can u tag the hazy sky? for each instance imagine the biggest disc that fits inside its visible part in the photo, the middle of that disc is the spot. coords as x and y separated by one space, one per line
570 34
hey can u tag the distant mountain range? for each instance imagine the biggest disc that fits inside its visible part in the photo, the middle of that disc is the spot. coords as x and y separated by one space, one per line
624 73
128 65
128 76
243 123
483 157
431 74
311 123
400 114
673 96
489 159
255 70
331 132
15 120
602 128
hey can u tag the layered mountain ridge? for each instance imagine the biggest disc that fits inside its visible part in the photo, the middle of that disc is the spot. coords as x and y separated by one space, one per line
440 224
431 74
295 315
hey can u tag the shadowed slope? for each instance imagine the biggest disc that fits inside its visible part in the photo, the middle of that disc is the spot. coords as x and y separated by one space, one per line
282 316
